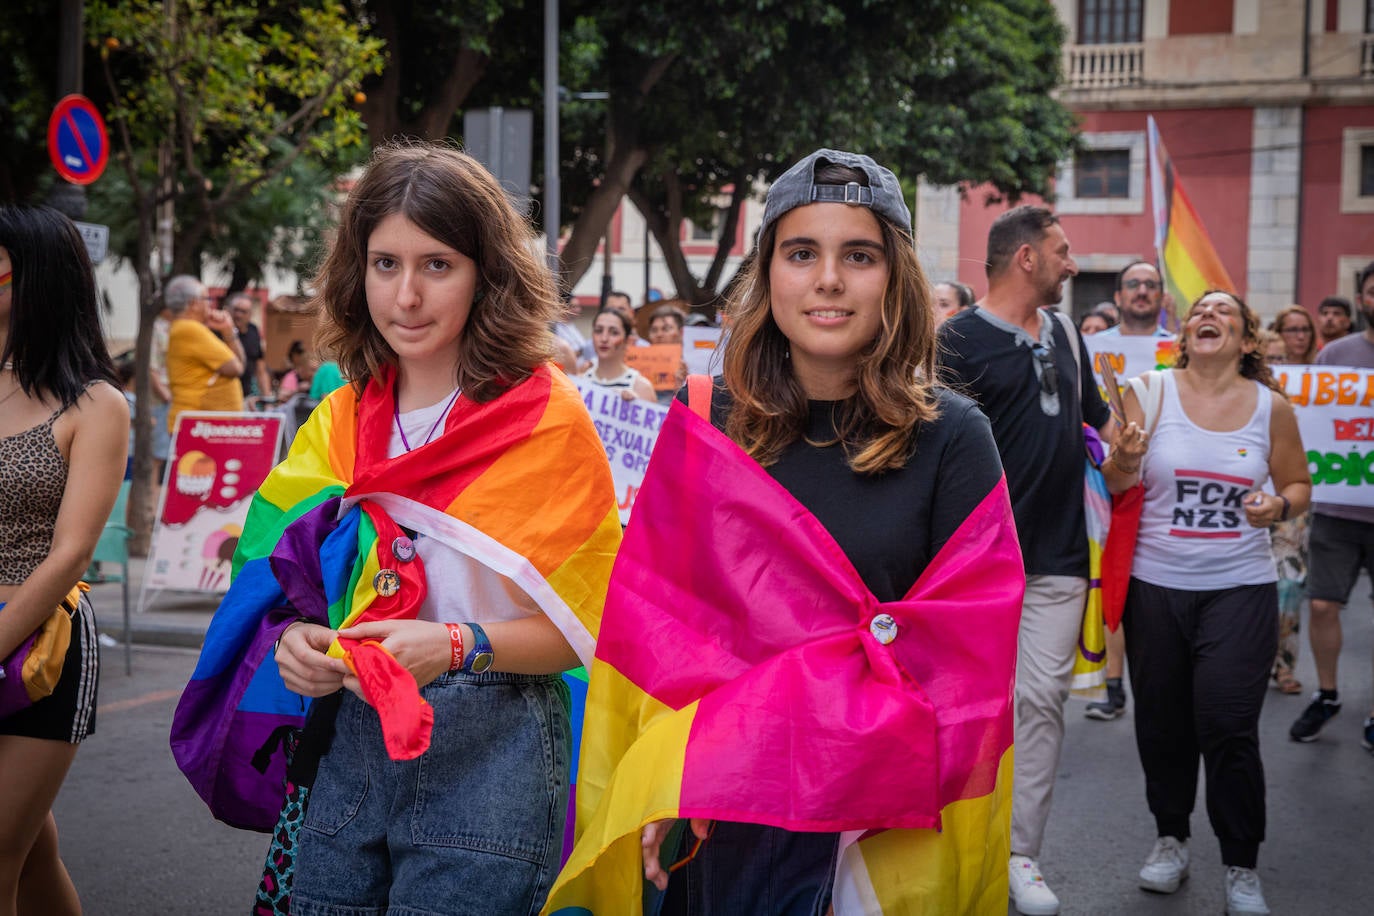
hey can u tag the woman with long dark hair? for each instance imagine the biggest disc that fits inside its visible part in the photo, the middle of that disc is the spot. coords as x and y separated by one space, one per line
1202 600
790 618
64 428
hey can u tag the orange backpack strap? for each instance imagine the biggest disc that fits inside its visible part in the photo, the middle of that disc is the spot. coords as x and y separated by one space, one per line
699 395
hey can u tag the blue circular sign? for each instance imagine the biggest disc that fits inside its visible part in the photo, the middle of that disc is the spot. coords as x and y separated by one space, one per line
77 143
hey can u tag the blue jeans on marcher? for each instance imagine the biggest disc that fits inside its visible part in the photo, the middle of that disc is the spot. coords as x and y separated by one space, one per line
472 826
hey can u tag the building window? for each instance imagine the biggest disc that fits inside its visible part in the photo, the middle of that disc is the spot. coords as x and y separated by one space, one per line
1090 289
706 232
1368 17
1357 170
1107 176
1102 173
1110 22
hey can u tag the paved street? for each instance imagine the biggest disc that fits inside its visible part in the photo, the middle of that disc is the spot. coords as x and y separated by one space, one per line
137 840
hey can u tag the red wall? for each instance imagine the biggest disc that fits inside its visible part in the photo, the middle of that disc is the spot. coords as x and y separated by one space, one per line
1211 153
1326 232
1200 17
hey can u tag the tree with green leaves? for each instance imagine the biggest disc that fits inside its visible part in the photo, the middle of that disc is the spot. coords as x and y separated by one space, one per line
208 102
709 100
28 91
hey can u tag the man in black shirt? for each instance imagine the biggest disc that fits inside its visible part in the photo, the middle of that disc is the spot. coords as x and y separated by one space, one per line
1029 372
255 379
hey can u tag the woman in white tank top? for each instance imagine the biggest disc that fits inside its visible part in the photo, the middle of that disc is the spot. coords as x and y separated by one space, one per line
1202 603
610 336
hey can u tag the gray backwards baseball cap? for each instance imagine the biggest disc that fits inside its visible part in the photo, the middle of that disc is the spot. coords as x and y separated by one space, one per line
797 187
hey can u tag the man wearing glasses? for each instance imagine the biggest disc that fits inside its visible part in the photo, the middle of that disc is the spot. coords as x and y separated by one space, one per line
1140 299
1031 375
255 380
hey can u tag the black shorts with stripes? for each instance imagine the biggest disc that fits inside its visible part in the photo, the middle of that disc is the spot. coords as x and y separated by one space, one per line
69 713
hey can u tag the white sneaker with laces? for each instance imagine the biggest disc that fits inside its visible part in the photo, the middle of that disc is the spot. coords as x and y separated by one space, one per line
1243 892
1166 867
1029 892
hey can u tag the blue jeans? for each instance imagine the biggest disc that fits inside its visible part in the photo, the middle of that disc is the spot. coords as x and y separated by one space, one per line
474 825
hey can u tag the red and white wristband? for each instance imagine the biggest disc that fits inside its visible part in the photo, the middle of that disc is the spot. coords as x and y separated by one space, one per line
455 638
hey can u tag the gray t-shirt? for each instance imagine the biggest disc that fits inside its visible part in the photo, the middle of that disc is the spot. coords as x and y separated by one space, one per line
1352 350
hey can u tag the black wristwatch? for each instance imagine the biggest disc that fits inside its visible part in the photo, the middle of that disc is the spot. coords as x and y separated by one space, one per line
481 658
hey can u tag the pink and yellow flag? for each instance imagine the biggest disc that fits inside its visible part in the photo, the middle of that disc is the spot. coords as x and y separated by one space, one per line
738 677
1187 258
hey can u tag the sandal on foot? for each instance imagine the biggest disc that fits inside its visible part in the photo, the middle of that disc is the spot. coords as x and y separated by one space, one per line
1287 683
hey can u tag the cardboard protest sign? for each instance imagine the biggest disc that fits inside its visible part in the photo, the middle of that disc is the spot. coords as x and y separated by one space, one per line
1130 356
657 363
217 463
629 430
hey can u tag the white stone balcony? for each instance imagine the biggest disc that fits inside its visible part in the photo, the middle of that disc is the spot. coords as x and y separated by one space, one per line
1107 66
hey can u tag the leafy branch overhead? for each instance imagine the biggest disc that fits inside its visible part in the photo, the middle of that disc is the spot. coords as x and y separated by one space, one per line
211 106
710 99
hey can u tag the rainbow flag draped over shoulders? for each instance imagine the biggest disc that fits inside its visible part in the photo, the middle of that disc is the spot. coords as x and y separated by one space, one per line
736 678
520 483
1187 259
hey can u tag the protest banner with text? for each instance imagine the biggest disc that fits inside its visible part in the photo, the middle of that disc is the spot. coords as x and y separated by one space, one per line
628 429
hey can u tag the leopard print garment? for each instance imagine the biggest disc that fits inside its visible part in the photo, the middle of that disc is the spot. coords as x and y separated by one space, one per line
32 479
274 890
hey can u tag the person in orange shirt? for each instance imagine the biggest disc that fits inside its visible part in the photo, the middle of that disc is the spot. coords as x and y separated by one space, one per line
204 354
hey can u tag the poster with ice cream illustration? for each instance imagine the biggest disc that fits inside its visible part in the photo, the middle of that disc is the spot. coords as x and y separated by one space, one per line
218 461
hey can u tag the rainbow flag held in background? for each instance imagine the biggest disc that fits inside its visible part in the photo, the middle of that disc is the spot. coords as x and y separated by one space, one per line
1187 258
1090 661
519 483
738 677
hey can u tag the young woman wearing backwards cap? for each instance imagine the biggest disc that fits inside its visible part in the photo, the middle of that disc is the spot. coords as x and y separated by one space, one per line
811 625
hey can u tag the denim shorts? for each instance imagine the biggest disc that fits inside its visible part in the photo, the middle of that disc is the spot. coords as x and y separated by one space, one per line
472 826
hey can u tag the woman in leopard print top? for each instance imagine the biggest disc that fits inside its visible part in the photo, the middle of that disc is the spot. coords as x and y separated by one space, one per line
63 436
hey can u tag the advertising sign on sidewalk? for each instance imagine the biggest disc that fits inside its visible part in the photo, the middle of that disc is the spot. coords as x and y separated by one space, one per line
217 463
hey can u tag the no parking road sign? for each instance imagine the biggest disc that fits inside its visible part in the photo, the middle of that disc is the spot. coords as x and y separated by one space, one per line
77 142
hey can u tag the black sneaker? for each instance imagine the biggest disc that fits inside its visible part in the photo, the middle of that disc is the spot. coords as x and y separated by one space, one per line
1368 742
1114 707
1316 715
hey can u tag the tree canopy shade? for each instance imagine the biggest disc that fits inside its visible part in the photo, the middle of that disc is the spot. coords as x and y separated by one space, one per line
28 91
207 102
715 96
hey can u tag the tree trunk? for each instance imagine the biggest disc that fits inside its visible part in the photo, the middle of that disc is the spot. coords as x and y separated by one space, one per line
580 251
143 492
436 117
380 110
727 235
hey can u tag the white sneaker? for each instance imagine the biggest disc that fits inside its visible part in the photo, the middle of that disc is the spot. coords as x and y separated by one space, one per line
1166 867
1028 889
1243 892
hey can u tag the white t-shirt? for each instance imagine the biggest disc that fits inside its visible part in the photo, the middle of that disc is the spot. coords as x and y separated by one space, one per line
460 589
